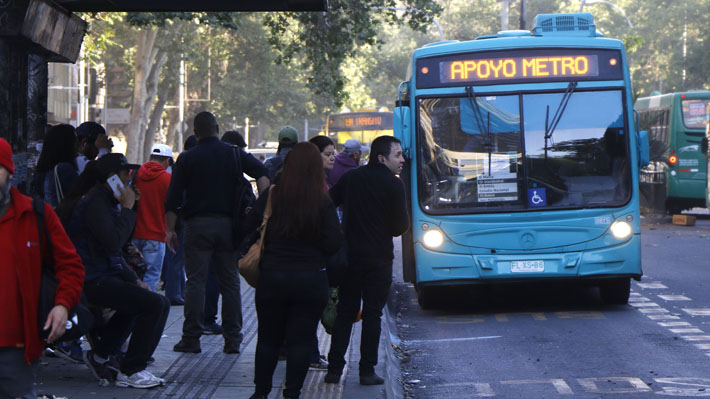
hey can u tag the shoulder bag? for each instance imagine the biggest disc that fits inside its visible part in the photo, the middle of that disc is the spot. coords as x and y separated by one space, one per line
58 185
244 197
80 319
249 263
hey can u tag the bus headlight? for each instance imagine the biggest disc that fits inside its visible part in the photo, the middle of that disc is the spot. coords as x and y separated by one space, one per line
620 229
433 238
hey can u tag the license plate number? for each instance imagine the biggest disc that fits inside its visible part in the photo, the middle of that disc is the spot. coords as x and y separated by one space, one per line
527 266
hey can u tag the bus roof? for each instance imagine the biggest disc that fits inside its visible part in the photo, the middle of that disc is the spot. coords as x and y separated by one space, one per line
666 100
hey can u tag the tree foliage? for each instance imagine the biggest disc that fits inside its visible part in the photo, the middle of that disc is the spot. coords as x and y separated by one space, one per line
328 39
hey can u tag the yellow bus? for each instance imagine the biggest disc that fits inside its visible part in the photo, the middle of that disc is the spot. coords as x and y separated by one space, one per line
363 125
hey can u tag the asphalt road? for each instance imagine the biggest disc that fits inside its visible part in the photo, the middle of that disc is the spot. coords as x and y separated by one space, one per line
552 341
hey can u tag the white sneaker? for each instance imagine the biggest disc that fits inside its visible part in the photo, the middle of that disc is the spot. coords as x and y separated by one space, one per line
142 379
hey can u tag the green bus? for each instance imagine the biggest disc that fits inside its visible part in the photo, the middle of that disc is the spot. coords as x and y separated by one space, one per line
675 179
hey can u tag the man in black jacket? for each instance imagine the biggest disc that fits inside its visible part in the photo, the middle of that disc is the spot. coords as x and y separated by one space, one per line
374 211
209 178
101 223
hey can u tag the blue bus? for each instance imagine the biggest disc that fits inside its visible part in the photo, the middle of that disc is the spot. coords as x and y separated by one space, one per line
522 161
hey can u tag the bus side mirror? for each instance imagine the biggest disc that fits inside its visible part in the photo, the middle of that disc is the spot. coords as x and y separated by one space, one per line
402 128
644 155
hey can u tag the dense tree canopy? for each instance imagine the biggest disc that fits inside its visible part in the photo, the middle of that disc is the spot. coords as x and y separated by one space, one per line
279 68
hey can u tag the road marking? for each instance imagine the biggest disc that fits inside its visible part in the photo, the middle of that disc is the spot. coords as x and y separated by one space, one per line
674 386
644 304
697 312
703 346
559 384
654 310
422 341
675 324
637 384
686 330
460 319
662 317
652 286
696 337
534 315
581 315
674 297
638 298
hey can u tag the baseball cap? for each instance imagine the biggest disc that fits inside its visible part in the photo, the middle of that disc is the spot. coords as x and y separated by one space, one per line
6 156
288 135
113 163
90 130
162 150
352 146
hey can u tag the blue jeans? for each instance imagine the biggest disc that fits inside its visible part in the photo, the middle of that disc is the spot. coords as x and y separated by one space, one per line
153 254
16 377
175 271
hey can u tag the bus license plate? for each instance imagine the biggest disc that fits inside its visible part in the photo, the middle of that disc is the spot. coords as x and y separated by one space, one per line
527 266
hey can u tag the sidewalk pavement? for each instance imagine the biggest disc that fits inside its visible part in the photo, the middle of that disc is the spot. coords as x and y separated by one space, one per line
215 375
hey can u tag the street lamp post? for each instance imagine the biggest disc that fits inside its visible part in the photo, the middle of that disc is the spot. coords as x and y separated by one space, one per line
585 2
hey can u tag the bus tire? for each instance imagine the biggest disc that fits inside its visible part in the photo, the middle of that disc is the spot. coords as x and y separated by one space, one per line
425 297
615 291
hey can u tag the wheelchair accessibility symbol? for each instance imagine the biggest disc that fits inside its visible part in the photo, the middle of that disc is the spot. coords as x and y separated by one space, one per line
537 197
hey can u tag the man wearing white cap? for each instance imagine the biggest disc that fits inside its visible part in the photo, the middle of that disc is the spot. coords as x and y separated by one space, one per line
348 159
153 181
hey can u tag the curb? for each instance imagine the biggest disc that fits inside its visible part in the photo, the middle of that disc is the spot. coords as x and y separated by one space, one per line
393 377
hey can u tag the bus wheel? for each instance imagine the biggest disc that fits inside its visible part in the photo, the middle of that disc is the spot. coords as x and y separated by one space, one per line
426 297
615 291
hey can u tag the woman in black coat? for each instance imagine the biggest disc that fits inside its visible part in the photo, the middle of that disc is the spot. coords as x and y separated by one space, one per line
292 291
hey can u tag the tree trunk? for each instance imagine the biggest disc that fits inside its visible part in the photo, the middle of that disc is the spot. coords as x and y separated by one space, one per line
145 56
156 114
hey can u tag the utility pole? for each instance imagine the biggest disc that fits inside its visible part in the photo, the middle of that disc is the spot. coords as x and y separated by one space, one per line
504 6
522 14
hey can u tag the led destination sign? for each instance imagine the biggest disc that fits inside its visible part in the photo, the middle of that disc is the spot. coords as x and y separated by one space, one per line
522 66
361 121
518 67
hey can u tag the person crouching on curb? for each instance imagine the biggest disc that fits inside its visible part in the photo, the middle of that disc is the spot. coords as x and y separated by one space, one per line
21 257
292 291
101 223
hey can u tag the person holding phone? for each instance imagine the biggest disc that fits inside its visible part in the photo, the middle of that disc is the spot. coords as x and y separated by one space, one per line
101 223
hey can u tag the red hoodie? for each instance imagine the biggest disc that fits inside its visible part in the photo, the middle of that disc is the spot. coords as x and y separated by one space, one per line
153 182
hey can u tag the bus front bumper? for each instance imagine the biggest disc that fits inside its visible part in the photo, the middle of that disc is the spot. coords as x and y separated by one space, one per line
436 268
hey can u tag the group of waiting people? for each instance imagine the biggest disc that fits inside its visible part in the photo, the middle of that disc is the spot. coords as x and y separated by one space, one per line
305 184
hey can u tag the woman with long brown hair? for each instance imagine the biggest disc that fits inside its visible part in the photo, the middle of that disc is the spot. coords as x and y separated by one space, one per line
292 291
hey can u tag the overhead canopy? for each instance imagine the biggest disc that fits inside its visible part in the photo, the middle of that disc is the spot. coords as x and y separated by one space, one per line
193 5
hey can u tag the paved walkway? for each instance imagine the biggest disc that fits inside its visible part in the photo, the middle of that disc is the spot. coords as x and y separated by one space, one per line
213 374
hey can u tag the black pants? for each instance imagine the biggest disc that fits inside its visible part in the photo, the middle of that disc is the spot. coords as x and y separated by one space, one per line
369 281
139 312
211 297
289 305
208 240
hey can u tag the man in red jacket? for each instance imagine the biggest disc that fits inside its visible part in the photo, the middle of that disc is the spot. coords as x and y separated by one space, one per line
152 181
20 276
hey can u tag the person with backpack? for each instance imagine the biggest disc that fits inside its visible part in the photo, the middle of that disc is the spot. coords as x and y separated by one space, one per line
205 184
21 256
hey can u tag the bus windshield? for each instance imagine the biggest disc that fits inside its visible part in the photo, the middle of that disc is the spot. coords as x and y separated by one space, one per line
695 113
499 153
